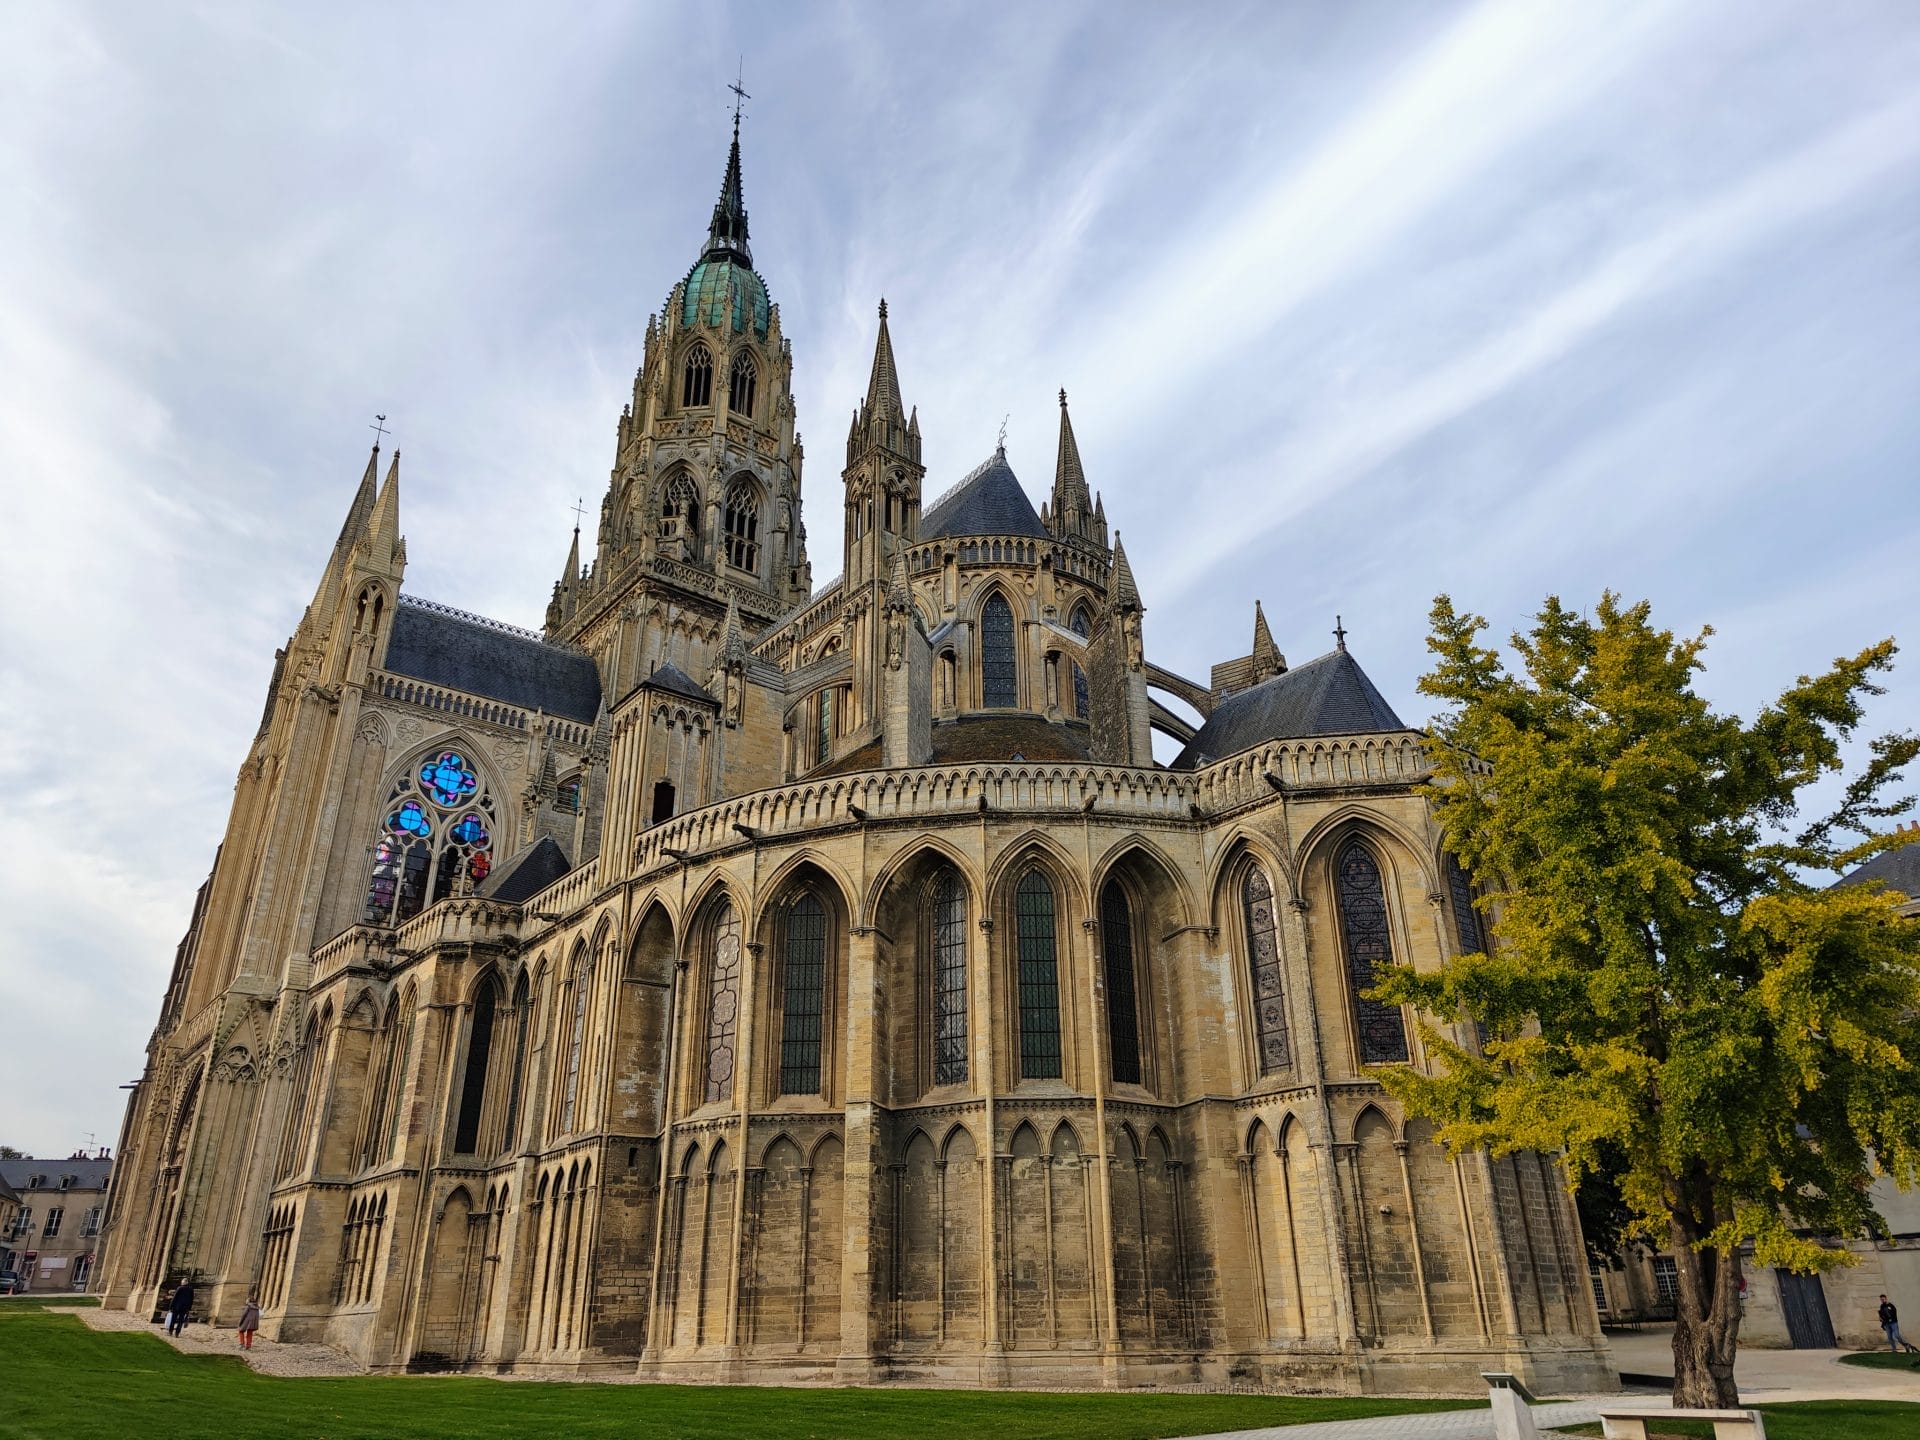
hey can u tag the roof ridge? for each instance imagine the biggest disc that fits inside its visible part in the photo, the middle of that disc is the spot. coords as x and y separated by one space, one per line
928 511
454 612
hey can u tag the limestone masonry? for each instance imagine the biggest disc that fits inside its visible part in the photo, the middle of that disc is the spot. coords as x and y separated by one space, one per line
747 981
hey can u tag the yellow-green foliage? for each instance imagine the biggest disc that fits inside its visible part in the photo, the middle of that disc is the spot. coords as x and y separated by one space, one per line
1672 978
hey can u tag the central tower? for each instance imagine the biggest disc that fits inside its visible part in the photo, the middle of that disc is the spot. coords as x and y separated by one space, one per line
703 503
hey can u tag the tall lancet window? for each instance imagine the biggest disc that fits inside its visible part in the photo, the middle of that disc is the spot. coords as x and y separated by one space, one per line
947 945
680 515
1263 963
696 381
999 681
740 385
723 1002
1039 978
1123 1018
582 998
473 1084
1082 701
742 525
803 990
1369 941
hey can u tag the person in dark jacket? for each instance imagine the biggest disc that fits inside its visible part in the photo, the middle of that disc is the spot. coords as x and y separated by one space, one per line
1890 1322
180 1308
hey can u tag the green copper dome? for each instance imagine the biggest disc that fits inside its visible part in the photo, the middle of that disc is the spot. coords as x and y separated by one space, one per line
724 294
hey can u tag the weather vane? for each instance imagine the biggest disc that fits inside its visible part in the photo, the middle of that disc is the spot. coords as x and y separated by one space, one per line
379 428
740 96
1003 428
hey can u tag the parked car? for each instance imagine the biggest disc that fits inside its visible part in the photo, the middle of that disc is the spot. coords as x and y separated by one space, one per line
12 1282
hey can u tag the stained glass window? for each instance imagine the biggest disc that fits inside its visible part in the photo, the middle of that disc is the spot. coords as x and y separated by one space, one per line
723 1003
582 993
803 992
410 819
823 729
448 779
1363 921
1082 701
1263 961
1039 979
473 1086
949 950
1466 920
742 525
696 386
1123 1021
999 682
740 386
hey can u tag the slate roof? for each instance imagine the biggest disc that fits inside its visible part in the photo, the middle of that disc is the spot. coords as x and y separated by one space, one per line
1328 696
448 647
521 876
671 678
89 1175
990 501
1897 869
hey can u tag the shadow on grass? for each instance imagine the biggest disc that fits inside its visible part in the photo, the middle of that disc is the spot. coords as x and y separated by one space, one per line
64 1380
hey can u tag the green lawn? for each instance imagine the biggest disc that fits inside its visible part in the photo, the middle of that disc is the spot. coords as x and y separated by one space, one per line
1882 1360
59 1379
1804 1420
10 1303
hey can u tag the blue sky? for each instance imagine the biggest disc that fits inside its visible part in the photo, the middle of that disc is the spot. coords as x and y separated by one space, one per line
1355 303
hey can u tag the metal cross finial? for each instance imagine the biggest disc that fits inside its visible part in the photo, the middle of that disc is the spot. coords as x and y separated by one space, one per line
740 96
379 429
579 509
1339 633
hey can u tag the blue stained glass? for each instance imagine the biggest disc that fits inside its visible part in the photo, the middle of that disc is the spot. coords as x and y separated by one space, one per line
470 831
410 819
447 778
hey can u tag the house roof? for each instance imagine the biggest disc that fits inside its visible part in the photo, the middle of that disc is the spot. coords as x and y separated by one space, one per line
1328 696
1896 869
88 1175
671 678
990 501
449 647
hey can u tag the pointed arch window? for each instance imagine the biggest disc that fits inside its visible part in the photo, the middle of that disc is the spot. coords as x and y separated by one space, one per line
803 991
582 995
522 1026
723 1002
473 1084
1082 700
999 679
1466 920
696 381
680 516
823 728
436 839
1263 964
947 926
740 385
1039 978
742 525
1369 943
1123 1018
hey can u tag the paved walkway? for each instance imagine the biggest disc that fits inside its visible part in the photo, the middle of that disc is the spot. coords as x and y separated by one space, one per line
266 1357
1444 1424
1772 1376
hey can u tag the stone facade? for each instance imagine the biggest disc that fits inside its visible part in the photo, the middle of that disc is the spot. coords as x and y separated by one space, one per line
743 981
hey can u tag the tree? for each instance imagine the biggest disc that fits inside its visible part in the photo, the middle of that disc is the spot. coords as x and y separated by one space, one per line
1669 994
7 1152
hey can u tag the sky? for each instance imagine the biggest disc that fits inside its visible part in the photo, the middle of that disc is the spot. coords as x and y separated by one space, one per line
1355 303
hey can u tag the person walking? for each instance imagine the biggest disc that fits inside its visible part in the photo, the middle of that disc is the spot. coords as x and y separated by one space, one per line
180 1308
1890 1322
249 1322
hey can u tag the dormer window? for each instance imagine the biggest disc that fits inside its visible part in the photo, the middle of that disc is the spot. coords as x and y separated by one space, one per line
696 386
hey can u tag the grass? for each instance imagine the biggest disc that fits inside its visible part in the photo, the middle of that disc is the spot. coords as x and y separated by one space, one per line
1882 1360
1801 1420
64 1380
10 1303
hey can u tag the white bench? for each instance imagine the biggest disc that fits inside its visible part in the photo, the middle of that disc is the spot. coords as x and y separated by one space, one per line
1727 1424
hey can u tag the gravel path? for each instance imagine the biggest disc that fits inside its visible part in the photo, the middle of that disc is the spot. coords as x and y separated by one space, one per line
266 1356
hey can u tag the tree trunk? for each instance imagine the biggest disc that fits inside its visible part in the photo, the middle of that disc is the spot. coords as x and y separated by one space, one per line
1706 1321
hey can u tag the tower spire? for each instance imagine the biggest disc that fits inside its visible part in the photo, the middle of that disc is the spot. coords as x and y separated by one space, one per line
1072 506
883 386
727 235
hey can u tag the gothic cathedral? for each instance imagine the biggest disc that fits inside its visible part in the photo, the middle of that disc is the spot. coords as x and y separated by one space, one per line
744 980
